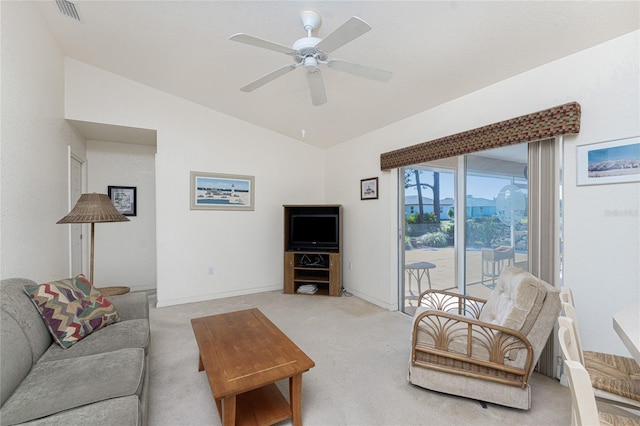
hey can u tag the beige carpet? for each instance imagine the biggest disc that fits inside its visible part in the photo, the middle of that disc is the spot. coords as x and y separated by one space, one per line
361 353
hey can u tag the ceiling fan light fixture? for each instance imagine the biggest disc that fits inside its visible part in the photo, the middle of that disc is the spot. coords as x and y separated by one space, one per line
310 63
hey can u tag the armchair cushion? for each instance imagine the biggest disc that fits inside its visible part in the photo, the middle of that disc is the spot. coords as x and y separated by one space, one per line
71 308
515 302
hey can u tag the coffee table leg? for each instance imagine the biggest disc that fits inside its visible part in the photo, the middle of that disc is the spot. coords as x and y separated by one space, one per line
200 364
219 407
295 399
229 411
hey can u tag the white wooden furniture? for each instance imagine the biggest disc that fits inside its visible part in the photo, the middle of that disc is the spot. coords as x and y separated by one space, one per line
583 404
627 324
611 375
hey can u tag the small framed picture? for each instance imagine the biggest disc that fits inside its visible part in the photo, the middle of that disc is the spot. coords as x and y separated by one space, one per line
369 189
124 199
616 161
217 191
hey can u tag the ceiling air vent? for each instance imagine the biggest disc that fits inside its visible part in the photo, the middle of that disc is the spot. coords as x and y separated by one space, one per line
68 8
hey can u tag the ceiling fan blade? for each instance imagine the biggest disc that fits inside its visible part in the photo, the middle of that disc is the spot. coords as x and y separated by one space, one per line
265 44
267 78
348 31
360 70
316 86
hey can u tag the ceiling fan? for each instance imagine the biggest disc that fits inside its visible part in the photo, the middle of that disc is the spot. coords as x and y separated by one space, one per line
310 52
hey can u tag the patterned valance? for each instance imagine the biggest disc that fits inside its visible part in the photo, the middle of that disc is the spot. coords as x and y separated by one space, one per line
559 120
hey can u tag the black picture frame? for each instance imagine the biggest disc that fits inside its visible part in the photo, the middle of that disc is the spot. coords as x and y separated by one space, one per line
369 189
124 198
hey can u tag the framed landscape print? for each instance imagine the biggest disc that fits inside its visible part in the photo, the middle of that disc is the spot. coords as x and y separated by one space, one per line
616 161
217 191
124 199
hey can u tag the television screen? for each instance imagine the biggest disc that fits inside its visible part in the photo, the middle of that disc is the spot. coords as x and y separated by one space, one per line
314 231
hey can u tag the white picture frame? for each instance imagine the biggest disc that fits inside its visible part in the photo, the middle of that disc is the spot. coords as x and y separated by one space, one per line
218 191
615 161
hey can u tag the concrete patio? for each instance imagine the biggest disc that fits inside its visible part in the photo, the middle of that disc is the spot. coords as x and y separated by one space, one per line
443 275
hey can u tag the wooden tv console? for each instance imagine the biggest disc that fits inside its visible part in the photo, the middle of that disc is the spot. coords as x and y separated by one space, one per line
321 268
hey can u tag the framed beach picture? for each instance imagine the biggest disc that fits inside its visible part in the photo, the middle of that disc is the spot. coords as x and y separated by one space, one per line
616 161
369 189
124 199
217 191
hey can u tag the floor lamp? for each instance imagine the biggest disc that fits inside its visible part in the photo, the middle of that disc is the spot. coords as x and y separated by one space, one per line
93 208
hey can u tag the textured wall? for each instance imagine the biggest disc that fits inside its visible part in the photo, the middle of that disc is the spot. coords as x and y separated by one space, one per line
125 251
34 152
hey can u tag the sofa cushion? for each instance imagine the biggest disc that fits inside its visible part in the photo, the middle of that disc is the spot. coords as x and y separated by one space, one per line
55 386
516 300
71 308
124 334
125 411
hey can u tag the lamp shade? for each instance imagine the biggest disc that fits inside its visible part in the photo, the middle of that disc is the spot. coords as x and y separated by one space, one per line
93 208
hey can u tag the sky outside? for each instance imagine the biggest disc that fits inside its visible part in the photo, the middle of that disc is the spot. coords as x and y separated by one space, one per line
205 182
478 186
625 152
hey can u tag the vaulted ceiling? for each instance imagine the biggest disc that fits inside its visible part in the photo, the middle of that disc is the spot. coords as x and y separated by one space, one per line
437 51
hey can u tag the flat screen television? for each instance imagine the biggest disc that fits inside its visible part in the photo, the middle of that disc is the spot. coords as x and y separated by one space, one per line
313 232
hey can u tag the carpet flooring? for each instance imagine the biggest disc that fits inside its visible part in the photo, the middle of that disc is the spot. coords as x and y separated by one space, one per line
361 353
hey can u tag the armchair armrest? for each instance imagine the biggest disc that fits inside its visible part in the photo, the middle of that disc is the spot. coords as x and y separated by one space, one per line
456 303
456 344
131 305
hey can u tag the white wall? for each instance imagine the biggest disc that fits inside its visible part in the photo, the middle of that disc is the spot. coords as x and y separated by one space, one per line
125 252
243 247
601 252
34 153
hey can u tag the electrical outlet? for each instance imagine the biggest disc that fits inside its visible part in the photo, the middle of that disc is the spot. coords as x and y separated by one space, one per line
210 270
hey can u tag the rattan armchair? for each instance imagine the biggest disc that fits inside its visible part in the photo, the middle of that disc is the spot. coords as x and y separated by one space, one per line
483 349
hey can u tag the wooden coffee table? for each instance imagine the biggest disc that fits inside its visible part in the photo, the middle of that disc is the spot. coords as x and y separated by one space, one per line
244 354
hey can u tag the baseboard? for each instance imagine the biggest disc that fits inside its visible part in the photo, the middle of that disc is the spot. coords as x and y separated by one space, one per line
382 304
212 296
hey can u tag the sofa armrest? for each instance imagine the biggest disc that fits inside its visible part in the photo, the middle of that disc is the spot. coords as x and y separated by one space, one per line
454 303
131 305
466 346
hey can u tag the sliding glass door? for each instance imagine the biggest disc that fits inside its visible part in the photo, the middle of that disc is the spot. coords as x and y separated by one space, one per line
496 227
429 231
464 219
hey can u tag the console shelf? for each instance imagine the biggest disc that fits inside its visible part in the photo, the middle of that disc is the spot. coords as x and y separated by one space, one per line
323 269
326 278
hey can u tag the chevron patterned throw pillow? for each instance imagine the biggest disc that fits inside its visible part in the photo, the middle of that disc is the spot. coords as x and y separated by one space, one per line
72 309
